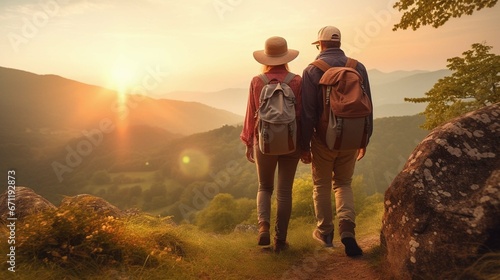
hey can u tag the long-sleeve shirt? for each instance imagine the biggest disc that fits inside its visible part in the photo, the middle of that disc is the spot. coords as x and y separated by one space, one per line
312 97
248 134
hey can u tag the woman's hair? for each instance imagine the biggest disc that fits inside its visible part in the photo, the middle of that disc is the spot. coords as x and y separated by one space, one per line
267 68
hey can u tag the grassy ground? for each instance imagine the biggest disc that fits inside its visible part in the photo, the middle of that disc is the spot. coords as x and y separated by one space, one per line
154 249
70 243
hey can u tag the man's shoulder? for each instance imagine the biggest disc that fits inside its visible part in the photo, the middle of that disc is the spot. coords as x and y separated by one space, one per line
360 67
312 70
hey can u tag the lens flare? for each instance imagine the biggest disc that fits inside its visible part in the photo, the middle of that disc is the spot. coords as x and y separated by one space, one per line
194 163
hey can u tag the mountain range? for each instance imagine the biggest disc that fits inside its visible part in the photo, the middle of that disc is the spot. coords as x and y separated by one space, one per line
53 104
59 133
388 93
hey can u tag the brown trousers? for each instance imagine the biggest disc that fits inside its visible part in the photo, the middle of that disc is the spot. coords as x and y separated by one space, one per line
266 169
332 170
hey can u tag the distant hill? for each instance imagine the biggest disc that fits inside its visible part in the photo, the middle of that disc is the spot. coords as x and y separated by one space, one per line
53 104
231 99
379 77
388 91
217 156
43 118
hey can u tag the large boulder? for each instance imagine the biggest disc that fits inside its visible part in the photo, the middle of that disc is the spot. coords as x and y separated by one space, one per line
94 203
24 202
442 210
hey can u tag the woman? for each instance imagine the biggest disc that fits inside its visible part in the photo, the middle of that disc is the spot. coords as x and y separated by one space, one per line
274 58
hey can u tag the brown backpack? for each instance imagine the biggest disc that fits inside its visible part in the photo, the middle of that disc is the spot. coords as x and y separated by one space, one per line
346 119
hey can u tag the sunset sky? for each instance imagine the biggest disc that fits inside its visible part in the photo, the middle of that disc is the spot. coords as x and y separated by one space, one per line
207 45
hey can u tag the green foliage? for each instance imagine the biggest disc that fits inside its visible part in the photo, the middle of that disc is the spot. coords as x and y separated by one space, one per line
393 141
370 214
419 13
73 236
473 85
246 208
181 196
79 242
220 215
101 177
74 243
302 201
224 212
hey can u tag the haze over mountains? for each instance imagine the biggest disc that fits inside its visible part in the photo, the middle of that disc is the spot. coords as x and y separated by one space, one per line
57 104
388 92
60 134
63 108
53 104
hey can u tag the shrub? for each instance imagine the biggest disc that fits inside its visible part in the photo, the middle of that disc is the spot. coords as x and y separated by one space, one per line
76 237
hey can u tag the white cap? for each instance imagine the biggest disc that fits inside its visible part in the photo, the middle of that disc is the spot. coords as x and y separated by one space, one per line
328 33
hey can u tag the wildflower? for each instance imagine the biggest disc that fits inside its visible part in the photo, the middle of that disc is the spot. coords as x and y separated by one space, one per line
97 250
55 254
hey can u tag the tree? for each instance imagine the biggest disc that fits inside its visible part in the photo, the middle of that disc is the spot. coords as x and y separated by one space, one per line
219 216
436 12
473 84
303 205
101 177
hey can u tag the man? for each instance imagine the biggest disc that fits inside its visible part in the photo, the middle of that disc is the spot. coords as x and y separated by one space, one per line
330 169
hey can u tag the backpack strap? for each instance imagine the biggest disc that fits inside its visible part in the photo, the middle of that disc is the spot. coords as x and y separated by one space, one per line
289 77
264 78
351 63
321 64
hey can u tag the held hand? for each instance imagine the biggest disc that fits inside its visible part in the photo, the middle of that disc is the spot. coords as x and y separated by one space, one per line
249 154
306 157
361 153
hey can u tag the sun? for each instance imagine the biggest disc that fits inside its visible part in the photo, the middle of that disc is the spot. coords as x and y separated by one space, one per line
122 78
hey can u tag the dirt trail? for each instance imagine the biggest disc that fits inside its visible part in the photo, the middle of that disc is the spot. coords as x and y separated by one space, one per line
333 264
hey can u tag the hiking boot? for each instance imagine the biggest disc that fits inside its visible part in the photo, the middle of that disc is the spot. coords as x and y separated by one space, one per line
280 245
264 238
325 240
351 247
346 228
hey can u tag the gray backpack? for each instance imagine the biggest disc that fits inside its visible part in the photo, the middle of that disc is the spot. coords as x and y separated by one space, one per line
276 124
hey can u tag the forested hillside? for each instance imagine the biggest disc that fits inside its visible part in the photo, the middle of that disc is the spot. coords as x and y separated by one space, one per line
151 169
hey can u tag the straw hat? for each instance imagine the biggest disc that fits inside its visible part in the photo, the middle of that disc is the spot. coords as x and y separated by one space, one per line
275 52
